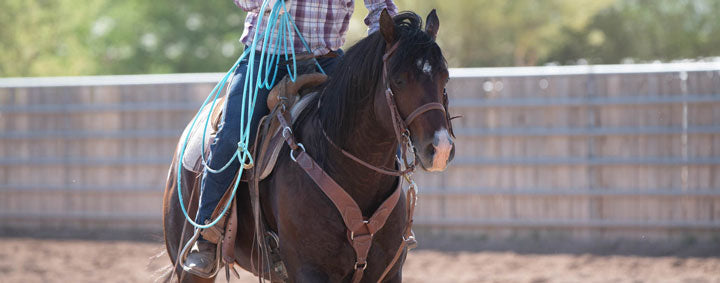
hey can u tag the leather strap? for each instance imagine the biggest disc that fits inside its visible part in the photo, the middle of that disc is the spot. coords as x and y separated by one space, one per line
390 51
287 131
422 109
228 246
399 126
348 208
380 170
257 266
407 235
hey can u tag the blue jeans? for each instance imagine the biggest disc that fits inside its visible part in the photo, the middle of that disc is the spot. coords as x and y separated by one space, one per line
213 186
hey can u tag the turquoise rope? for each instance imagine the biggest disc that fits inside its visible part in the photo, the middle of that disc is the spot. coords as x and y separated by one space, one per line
187 137
219 86
307 47
242 154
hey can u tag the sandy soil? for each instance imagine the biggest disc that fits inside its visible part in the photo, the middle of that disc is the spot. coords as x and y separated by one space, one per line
33 260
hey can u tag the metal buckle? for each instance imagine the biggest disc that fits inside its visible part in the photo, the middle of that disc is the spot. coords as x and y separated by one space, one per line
408 177
300 145
362 266
410 237
410 241
408 141
288 130
413 185
352 234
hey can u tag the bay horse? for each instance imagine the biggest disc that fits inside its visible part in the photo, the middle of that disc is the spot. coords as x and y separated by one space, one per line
351 115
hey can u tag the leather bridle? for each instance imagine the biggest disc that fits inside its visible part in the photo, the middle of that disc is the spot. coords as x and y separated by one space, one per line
401 127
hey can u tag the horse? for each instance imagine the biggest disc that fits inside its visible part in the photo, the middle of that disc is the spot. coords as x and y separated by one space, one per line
351 133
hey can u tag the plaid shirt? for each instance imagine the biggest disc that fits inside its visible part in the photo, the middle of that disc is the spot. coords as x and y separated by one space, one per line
323 23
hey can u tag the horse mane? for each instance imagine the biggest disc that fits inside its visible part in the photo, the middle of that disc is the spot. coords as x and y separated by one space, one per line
348 94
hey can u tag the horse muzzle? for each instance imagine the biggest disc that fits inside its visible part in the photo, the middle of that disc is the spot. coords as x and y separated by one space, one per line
436 155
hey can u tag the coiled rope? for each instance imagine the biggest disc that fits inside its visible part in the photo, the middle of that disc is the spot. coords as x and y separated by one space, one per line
281 23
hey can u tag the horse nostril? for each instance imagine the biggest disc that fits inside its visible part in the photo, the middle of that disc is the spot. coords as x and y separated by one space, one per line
430 150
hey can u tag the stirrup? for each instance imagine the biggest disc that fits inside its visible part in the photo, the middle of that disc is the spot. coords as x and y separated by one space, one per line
186 250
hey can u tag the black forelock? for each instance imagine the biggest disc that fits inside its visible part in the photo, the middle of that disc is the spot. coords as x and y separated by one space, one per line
415 44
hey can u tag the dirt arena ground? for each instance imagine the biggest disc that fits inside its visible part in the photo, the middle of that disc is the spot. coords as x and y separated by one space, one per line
53 260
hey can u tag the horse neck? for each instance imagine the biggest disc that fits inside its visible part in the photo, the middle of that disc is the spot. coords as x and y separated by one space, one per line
373 144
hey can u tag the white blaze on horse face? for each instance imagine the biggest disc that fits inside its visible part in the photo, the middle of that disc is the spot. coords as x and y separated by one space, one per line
425 66
442 150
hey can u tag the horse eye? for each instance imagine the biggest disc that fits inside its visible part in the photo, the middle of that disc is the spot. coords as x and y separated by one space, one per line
399 81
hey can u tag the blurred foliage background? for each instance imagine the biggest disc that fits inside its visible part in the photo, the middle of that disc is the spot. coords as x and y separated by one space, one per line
76 37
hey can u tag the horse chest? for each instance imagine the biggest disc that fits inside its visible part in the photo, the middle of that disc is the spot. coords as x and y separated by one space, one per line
313 235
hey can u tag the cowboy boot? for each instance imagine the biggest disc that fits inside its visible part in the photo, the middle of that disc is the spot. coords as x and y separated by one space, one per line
202 259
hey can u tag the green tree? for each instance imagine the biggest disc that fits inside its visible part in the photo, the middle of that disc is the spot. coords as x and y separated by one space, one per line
39 38
165 36
476 33
64 37
644 30
67 37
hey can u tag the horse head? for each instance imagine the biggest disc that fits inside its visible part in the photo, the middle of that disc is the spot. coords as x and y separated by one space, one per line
415 75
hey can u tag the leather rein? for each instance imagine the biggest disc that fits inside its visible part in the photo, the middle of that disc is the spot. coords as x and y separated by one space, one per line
360 229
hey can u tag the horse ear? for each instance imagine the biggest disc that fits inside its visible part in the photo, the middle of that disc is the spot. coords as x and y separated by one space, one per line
432 24
387 27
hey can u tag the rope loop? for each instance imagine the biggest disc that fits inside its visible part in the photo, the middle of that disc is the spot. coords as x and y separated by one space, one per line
279 23
247 160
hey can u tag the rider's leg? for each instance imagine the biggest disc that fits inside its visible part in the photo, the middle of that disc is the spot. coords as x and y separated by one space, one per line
214 185
223 148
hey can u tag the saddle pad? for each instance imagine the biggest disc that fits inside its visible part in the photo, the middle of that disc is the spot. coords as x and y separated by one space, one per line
192 161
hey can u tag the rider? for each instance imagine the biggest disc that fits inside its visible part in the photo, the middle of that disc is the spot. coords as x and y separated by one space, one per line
323 24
